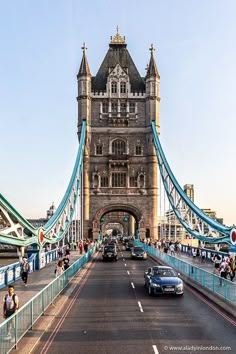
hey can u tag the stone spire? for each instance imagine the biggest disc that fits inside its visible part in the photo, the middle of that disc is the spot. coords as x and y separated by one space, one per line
152 68
84 67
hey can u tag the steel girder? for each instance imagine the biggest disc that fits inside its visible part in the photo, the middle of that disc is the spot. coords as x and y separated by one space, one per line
193 219
16 230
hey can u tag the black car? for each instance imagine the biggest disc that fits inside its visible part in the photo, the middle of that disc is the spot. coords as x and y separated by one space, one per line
109 252
138 253
163 280
129 246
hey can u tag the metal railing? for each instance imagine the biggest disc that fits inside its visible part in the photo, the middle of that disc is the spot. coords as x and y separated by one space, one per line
22 321
220 286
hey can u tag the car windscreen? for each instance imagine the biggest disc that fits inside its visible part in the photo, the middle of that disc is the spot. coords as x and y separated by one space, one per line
109 249
164 273
138 249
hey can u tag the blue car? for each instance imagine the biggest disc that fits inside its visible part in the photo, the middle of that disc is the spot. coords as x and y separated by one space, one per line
163 280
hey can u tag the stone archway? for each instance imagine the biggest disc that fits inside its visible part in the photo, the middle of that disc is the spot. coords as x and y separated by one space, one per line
135 212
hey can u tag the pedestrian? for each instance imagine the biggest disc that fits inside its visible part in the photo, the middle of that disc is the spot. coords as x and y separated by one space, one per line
10 306
80 248
60 253
66 262
67 252
203 255
59 268
24 270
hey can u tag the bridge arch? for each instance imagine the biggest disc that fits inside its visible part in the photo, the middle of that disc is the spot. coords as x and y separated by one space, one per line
120 207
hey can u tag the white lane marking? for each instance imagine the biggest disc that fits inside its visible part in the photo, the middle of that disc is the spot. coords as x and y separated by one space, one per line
128 272
140 306
155 349
123 259
132 284
125 264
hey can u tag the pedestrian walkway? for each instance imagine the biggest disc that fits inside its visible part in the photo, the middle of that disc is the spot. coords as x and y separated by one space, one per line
207 265
36 281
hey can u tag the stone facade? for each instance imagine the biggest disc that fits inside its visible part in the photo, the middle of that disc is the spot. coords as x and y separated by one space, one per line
120 165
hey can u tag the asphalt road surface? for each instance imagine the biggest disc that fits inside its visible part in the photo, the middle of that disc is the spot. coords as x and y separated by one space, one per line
110 312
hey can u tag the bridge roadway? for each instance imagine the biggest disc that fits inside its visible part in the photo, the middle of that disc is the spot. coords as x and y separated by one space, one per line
106 309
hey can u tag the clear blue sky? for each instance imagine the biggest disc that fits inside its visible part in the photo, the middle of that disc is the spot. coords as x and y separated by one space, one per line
40 57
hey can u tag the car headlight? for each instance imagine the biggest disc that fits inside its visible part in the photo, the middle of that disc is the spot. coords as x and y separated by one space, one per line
180 286
154 285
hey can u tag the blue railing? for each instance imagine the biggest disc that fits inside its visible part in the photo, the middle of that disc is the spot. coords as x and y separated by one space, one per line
222 287
23 320
11 273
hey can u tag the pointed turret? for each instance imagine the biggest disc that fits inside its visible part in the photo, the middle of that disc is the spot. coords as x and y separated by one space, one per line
152 68
84 67
152 91
84 91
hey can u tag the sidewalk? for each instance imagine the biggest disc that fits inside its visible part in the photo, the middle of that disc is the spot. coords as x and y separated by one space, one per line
206 265
36 281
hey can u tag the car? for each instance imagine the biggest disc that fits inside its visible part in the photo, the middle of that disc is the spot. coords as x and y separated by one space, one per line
109 252
138 253
129 246
163 280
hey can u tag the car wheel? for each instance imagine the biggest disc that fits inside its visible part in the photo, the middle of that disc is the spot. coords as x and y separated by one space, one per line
150 291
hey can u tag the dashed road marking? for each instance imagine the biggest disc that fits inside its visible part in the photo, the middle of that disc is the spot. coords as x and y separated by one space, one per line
155 349
128 272
140 306
132 284
125 264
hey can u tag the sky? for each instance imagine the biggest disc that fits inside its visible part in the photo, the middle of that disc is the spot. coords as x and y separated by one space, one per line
40 57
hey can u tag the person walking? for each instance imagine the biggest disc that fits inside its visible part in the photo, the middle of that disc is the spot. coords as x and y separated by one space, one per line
10 306
59 268
24 270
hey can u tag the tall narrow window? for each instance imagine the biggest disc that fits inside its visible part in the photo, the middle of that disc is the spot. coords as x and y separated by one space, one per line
104 181
119 179
113 87
138 150
123 107
114 107
99 149
105 107
132 107
118 147
123 87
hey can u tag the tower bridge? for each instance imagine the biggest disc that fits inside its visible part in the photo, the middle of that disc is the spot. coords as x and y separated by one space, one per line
118 163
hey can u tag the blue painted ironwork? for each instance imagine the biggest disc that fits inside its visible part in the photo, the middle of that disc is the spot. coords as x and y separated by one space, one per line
16 230
193 219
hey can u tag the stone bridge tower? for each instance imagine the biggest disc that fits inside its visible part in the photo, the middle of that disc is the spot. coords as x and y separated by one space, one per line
120 165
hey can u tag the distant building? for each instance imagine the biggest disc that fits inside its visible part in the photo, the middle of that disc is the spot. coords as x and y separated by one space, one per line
169 226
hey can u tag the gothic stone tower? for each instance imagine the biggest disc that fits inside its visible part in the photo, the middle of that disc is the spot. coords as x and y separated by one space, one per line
120 165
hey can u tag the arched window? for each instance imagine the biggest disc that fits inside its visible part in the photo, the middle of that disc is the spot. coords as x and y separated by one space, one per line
123 87
118 147
95 181
113 87
141 181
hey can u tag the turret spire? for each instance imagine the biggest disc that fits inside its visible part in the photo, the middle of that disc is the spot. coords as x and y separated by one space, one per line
152 68
84 67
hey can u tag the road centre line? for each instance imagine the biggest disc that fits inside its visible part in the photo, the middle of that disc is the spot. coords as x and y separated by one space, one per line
140 306
155 349
128 272
125 264
132 284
